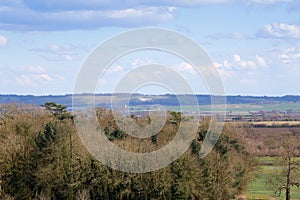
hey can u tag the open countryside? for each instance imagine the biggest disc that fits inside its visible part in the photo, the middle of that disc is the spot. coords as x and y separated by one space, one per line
149 100
259 137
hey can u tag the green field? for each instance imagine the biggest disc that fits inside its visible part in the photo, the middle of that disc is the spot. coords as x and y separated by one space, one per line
235 108
263 107
259 188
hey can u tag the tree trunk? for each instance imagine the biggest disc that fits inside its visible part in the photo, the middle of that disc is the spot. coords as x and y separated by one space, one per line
288 181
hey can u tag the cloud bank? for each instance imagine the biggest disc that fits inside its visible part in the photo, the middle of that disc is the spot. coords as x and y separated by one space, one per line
52 15
280 30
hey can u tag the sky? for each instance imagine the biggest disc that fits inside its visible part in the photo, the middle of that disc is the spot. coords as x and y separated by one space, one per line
254 44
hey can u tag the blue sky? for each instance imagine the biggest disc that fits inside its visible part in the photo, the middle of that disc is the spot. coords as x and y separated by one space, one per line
255 44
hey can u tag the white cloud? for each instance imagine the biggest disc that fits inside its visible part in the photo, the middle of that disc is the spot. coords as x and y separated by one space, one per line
260 61
225 70
270 1
45 77
227 64
241 73
25 80
46 15
246 64
68 57
46 19
235 36
180 67
138 62
33 76
36 69
125 13
218 65
116 68
280 30
171 9
237 64
187 3
3 41
58 5
32 80
236 58
249 64
290 56
185 67
141 13
59 77
55 52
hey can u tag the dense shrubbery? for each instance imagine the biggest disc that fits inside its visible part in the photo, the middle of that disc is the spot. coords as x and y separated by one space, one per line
42 158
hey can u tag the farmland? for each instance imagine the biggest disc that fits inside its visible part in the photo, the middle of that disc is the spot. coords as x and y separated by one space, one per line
237 108
264 142
259 188
260 124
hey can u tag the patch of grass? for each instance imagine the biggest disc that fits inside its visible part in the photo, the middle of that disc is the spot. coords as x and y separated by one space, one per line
259 188
265 162
258 197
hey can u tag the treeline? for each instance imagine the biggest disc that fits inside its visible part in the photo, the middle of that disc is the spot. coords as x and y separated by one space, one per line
166 99
275 125
41 157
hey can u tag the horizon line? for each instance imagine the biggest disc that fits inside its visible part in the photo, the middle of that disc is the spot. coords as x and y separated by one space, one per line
150 94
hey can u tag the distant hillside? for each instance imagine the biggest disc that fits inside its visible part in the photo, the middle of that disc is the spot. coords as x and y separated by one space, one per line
140 99
36 100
